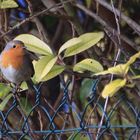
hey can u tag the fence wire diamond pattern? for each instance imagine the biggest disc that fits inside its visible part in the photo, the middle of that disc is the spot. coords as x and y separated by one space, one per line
67 121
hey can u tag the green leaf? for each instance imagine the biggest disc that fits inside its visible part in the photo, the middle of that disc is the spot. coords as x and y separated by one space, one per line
4 102
88 64
87 41
86 89
8 4
4 90
34 44
25 105
120 69
70 43
111 88
43 66
56 70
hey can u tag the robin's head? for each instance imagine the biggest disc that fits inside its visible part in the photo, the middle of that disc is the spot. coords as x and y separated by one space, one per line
14 45
13 54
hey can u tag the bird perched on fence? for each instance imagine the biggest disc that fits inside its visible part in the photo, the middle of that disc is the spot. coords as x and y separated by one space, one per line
16 62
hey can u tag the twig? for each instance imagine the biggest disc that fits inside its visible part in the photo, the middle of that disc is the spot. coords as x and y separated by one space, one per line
58 6
43 34
5 21
53 110
57 34
40 120
128 20
111 30
7 38
72 28
71 12
112 76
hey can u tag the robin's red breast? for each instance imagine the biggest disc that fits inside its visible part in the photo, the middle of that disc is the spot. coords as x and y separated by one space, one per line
16 62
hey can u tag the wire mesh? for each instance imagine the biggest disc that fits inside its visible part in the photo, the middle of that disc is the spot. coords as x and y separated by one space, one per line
67 121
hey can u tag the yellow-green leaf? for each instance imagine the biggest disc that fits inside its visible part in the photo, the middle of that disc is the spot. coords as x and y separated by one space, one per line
4 90
131 85
24 86
56 70
87 41
34 44
111 88
70 43
135 77
133 58
88 64
4 102
8 4
43 66
120 69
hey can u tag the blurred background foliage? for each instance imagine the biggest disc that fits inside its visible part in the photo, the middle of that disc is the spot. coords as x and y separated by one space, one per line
57 21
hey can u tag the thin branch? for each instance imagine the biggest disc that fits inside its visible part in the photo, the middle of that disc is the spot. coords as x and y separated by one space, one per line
115 63
113 33
132 24
57 6
43 34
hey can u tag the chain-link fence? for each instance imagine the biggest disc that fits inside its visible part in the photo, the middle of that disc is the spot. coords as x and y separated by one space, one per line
121 119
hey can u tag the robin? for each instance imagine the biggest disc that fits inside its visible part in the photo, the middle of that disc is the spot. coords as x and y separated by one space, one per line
16 62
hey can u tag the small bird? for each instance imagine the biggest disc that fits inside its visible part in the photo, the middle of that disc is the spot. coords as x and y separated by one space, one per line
16 62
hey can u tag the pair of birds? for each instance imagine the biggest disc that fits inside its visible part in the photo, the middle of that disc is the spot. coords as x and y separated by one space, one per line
16 62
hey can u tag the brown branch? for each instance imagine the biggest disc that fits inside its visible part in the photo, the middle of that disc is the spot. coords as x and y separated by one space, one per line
3 23
58 33
110 31
128 20
57 6
72 13
43 34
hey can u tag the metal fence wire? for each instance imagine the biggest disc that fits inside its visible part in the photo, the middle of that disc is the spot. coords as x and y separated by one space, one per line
68 121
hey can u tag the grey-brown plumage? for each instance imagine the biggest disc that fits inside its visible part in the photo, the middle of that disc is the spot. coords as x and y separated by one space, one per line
16 62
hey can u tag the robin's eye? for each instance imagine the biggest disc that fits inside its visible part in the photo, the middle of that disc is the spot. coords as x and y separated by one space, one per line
14 46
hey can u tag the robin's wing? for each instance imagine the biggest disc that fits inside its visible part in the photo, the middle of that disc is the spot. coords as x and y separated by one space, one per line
32 55
28 58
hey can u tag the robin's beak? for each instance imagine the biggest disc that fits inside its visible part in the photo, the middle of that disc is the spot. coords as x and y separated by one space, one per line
24 47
